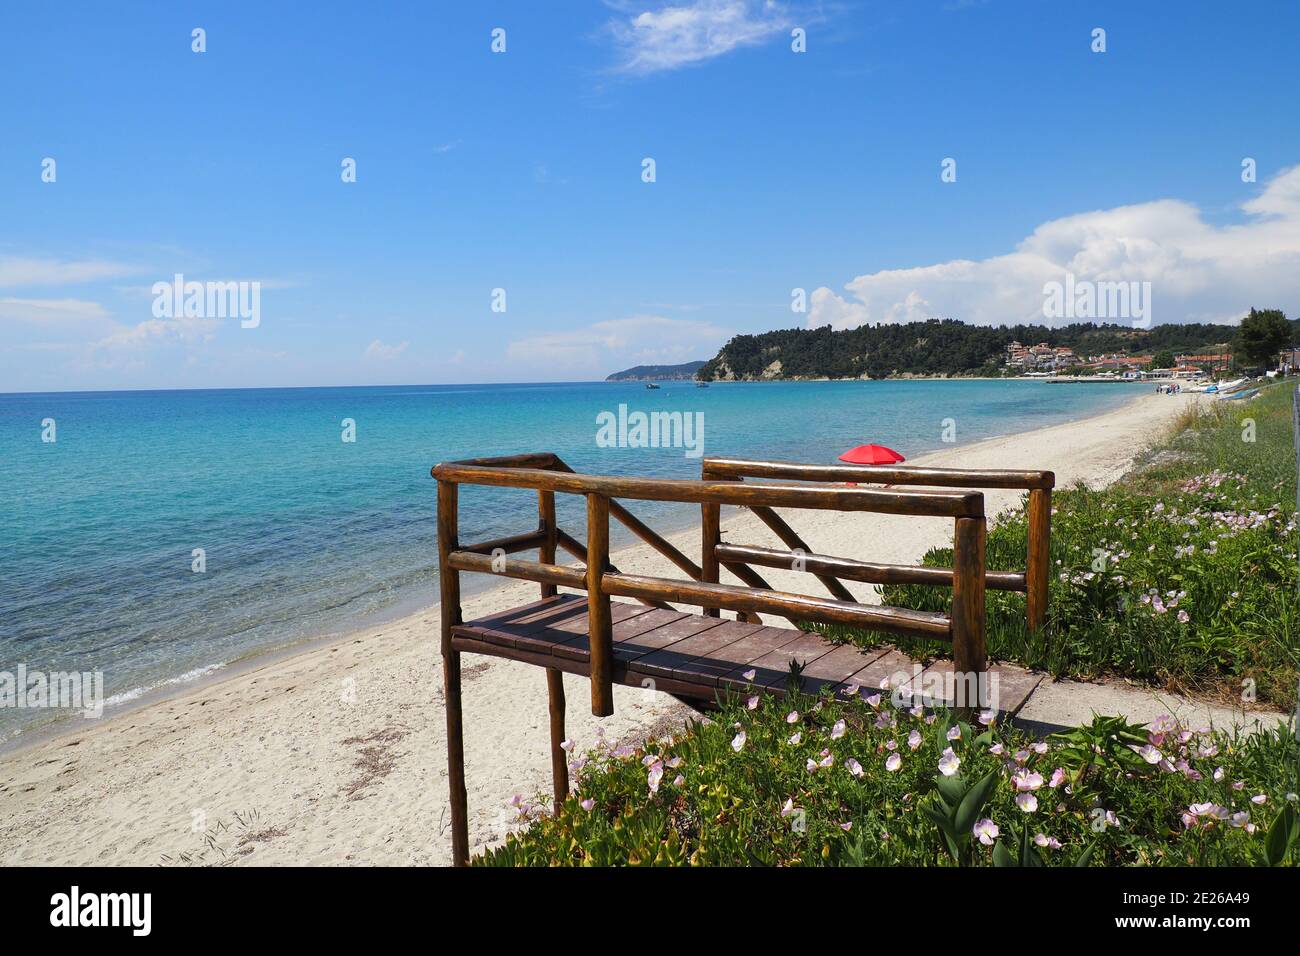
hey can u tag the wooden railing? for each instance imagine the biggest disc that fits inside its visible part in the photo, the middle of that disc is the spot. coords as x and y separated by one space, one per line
832 572
547 474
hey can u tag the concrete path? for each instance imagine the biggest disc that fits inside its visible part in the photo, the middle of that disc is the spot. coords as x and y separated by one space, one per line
1055 705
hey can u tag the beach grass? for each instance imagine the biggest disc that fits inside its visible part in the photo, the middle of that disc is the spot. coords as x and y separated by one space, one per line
1182 575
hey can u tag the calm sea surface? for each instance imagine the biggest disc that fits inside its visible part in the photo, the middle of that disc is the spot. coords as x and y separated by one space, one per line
306 535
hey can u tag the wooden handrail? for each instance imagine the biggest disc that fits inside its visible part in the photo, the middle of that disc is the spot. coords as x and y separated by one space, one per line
800 607
1039 484
864 571
968 504
510 543
878 474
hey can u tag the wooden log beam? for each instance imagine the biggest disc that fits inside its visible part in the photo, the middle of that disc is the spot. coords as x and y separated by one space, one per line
510 544
968 654
793 606
878 474
1038 556
919 503
550 539
864 571
600 626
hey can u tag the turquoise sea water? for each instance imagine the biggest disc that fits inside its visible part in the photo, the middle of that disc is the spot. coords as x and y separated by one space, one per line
306 535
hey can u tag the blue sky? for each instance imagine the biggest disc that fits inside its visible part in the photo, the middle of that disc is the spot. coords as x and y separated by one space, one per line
522 170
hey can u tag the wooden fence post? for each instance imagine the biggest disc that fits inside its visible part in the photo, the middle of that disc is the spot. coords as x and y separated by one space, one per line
1038 556
710 520
450 616
546 518
600 629
559 759
968 653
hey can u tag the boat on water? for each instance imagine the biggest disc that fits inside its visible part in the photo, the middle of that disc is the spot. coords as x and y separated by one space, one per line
651 385
701 384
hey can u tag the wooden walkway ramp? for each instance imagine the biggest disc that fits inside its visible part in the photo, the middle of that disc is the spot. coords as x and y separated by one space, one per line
698 657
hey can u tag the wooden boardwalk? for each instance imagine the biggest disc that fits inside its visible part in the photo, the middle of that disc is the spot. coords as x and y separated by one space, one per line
700 657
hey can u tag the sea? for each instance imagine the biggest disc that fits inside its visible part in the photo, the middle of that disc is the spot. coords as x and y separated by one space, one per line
158 537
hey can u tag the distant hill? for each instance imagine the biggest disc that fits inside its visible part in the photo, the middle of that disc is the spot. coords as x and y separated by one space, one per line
931 348
657 373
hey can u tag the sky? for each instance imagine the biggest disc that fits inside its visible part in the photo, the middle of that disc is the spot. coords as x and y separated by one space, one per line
501 226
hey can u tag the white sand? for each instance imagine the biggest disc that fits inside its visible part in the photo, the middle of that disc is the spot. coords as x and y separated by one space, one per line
337 754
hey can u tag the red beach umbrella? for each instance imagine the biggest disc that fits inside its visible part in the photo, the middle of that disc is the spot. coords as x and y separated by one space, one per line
871 455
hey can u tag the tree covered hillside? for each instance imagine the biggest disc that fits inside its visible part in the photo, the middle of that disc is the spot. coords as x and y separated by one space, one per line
933 347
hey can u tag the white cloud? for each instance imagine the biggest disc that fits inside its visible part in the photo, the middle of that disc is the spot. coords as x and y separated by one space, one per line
51 311
189 331
637 340
378 350
682 34
25 271
1199 272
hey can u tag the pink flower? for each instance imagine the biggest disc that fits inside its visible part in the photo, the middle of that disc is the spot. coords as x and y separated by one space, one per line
752 703
587 804
853 767
987 717
949 762
678 780
838 730
1027 802
795 738
789 808
1151 755
1026 780
874 700
792 717
893 762
1259 799
846 827
566 745
654 776
749 674
914 739
1042 839
986 830
1058 778
1182 617
954 732
738 742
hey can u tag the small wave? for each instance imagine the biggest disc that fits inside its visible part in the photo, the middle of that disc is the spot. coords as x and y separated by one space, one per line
136 692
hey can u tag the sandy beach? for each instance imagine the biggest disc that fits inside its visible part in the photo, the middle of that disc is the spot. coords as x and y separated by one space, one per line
337 755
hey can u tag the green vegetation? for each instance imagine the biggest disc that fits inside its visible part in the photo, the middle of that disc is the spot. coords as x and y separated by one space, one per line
1183 574
822 781
937 347
1262 335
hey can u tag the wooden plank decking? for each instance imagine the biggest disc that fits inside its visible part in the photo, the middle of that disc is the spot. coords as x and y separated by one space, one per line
696 656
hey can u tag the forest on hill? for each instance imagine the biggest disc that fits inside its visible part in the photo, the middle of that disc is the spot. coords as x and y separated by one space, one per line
934 347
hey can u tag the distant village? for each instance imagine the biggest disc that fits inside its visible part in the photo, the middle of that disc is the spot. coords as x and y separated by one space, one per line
1042 361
